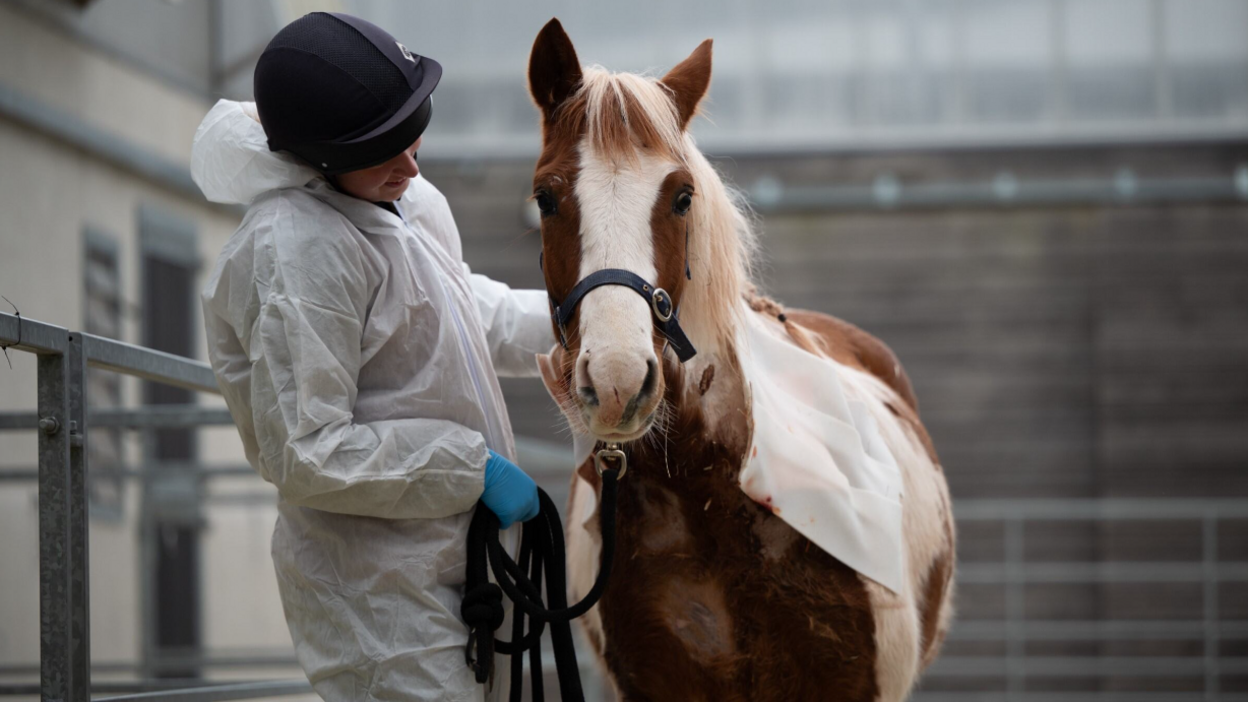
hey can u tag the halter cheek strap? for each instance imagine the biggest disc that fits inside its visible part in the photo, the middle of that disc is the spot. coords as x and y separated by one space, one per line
666 319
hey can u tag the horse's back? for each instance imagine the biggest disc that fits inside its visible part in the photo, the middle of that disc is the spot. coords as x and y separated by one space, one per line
853 347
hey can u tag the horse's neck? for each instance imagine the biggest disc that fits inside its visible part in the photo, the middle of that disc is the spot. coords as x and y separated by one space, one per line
708 424
683 479
720 253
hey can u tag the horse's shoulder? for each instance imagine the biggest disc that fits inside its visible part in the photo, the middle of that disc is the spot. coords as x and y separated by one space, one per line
851 346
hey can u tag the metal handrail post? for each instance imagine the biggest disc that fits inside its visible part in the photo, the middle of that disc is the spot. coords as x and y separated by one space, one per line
79 538
1209 568
56 647
1015 609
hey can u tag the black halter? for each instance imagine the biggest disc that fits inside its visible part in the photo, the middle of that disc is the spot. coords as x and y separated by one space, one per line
666 316
662 309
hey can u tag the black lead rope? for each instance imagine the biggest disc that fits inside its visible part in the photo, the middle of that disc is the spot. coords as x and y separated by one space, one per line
542 552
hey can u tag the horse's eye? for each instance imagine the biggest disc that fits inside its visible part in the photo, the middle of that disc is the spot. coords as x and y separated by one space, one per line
545 203
684 200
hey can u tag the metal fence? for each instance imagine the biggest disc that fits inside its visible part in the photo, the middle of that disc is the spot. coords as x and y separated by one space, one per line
64 581
1013 675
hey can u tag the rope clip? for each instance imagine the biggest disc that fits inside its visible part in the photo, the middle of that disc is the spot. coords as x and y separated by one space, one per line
611 452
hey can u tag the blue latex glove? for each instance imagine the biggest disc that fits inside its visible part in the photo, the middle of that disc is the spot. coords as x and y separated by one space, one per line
509 492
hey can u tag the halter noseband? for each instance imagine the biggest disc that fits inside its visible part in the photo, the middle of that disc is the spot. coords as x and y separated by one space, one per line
664 312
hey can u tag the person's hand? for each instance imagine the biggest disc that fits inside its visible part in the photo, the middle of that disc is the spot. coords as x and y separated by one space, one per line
509 492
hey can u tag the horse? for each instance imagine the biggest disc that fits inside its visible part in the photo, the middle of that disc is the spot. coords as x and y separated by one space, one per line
712 595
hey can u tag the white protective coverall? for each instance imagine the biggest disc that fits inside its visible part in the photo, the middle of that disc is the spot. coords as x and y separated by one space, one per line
358 357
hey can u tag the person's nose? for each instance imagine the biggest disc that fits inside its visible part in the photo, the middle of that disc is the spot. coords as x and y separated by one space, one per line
407 166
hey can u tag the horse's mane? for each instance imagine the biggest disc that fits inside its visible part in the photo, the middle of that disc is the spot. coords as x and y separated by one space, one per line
624 113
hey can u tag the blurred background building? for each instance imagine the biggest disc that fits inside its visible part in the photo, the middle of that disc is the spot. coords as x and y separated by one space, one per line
1041 205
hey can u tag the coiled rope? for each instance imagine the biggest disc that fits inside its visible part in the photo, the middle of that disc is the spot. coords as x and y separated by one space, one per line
542 553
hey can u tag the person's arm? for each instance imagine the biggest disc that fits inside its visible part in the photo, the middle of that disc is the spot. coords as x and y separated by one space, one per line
517 324
304 388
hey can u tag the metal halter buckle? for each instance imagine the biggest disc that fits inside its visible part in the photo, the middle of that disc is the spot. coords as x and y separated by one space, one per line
611 453
660 296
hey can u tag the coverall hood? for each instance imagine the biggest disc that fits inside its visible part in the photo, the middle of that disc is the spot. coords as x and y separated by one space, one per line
231 161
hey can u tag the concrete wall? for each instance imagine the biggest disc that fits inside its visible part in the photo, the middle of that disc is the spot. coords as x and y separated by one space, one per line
50 191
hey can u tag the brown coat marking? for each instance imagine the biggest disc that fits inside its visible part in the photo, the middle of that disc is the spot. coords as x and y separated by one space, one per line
663 522
696 611
708 375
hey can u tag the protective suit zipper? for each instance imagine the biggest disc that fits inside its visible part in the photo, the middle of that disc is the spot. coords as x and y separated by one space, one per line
496 435
472 370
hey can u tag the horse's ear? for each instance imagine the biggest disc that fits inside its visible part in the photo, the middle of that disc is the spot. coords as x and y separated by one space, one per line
554 70
689 80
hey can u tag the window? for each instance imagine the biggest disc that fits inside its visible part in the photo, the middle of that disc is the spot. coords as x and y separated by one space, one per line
169 261
102 309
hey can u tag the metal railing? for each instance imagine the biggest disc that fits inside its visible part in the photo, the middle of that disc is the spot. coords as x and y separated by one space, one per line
64 579
1015 669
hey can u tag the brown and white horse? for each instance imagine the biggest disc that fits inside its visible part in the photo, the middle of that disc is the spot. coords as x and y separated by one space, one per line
712 596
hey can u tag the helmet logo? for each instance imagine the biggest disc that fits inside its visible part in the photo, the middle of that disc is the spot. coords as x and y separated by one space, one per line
406 54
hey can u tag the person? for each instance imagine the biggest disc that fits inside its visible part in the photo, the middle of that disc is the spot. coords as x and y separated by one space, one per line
359 357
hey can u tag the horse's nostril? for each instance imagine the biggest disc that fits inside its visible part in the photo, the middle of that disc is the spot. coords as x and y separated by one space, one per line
652 378
615 385
588 395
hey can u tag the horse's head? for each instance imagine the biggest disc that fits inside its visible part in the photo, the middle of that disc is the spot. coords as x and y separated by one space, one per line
617 184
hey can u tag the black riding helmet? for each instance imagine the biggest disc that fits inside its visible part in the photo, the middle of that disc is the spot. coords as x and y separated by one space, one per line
341 93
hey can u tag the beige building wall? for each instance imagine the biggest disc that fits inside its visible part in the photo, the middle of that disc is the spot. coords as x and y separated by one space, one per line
50 192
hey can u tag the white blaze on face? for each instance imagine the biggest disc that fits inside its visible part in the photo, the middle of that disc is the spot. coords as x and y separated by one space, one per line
615 202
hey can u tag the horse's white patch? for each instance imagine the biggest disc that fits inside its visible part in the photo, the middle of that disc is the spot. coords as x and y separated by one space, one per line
896 642
725 408
584 544
615 201
897 629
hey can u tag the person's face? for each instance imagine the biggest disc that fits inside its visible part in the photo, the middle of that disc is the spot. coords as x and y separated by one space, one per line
384 182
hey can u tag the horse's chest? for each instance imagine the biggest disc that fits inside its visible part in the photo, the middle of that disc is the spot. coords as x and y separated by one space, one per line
712 597
669 550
